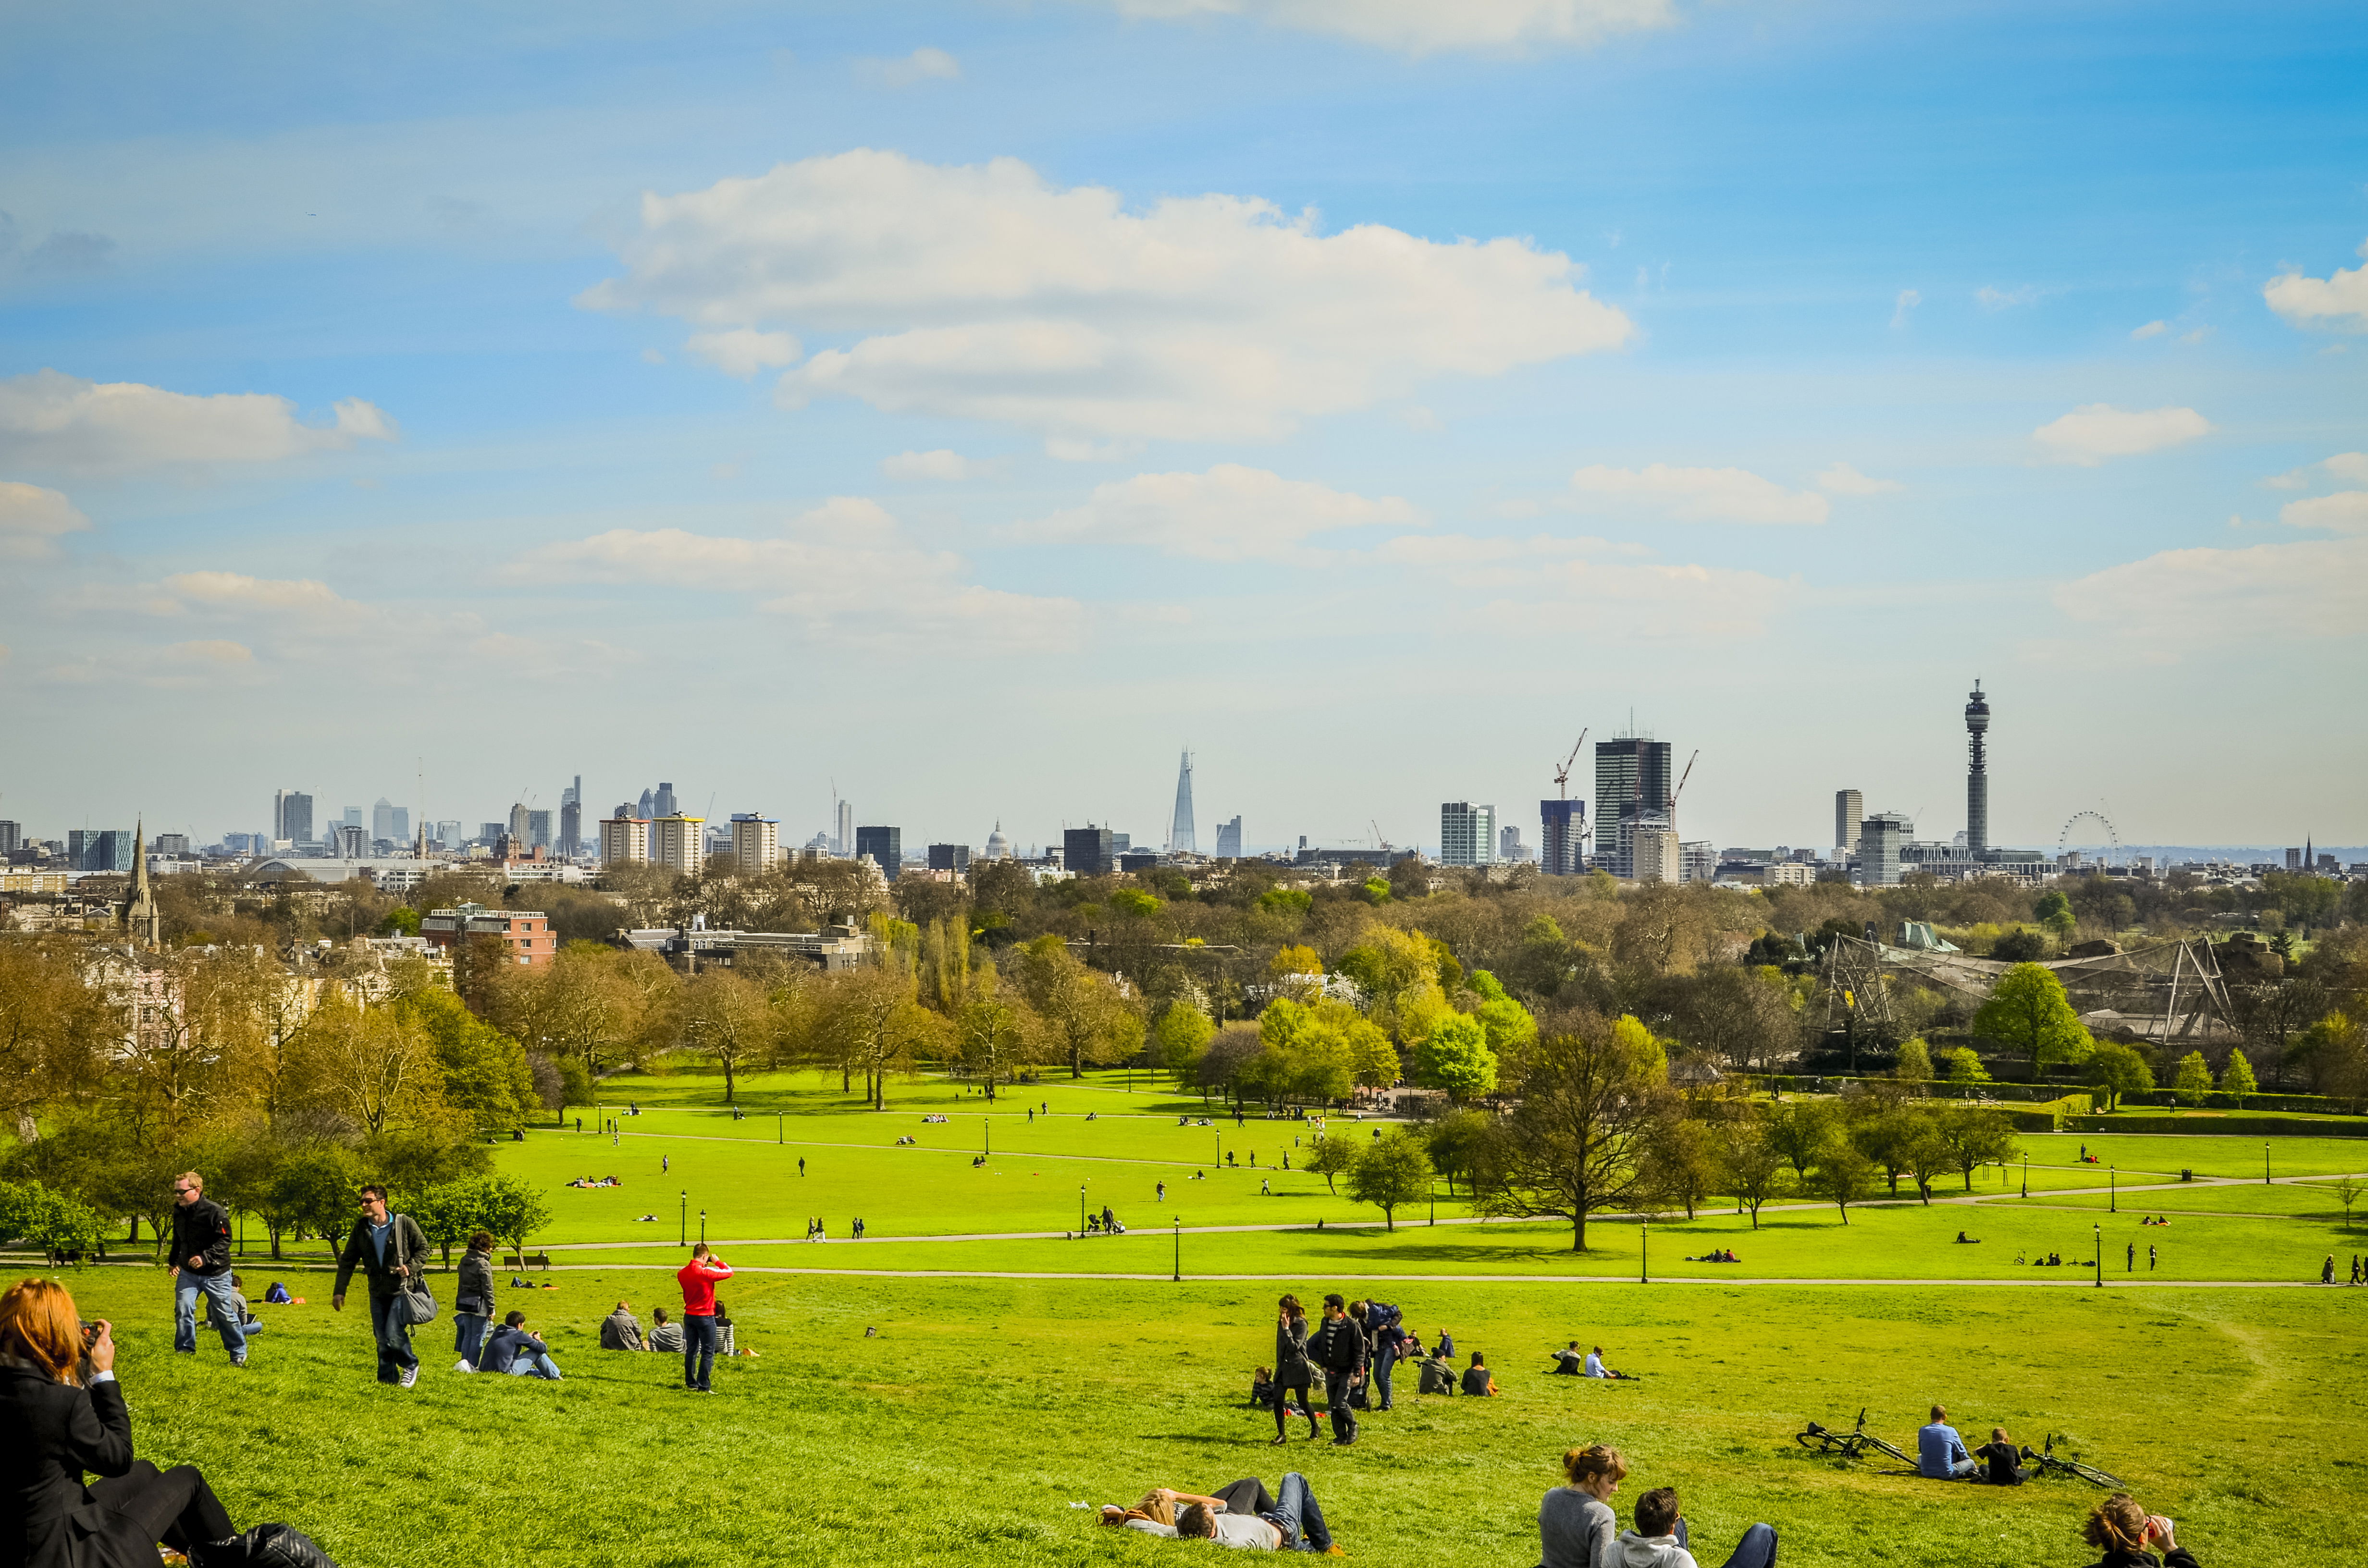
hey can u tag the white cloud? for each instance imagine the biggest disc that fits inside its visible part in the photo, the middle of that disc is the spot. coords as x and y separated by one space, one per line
1547 585
1905 303
843 573
2189 597
2005 299
2093 432
2352 466
2340 299
1844 480
1701 494
2345 512
921 65
53 419
31 518
1230 513
742 351
941 463
1430 27
2151 329
981 293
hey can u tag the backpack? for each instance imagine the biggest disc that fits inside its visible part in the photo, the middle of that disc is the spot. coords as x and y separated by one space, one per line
273 1546
1380 1316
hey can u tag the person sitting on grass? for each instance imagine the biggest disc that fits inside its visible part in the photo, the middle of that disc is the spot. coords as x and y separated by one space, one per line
621 1329
1438 1376
1577 1528
1940 1454
1965 1241
1596 1369
1294 1523
1568 1363
2129 1536
665 1335
1659 1539
1476 1380
2003 1458
514 1351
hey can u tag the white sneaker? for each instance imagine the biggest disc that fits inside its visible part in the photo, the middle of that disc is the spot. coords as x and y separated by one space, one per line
410 1374
462 1365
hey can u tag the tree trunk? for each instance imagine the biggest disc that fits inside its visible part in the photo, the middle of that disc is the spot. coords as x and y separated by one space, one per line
728 1081
1579 1231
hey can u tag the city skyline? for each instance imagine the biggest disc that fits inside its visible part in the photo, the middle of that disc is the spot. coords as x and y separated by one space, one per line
1804 363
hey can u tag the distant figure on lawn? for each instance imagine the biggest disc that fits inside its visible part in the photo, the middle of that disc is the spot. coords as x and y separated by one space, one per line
1940 1454
621 1329
2327 1271
1569 1363
58 1421
1659 1539
1577 1528
1476 1380
518 1354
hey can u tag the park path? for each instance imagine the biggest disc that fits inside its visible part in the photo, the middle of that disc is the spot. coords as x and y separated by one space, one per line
2083 1281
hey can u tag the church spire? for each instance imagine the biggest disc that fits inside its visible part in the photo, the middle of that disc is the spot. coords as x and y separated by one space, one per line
141 918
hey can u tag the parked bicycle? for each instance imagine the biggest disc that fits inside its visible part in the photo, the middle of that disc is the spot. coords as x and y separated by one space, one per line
2049 1465
1854 1446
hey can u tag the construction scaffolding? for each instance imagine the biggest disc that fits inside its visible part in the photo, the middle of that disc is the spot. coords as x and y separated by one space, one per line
2165 992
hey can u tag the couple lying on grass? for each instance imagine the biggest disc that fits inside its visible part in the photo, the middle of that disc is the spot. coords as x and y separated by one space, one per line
1240 1513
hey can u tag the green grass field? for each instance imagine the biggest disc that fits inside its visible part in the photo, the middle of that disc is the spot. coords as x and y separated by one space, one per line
987 1404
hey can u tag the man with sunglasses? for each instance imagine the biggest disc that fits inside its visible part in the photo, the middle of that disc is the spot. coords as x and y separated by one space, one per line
388 1248
202 1262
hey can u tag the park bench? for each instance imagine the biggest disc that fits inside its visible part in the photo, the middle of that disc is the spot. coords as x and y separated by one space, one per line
530 1260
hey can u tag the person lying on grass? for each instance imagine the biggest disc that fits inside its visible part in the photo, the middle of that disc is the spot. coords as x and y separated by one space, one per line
1659 1539
1294 1522
1156 1513
2129 1536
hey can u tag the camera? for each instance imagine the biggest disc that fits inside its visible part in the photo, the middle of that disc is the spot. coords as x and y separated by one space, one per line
89 1333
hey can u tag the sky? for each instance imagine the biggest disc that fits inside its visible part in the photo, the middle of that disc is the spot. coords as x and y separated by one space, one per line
963 409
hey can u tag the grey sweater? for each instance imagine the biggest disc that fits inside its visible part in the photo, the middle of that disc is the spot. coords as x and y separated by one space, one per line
1575 1531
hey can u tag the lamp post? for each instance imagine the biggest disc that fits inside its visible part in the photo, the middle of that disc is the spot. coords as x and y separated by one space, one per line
779 1122
1179 1275
2026 1176
682 1222
2265 1162
702 1227
2114 1190
986 1131
1081 1209
1644 1251
2099 1231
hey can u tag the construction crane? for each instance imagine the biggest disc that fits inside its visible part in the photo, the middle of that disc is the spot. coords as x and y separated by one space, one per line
1562 774
1386 845
1682 785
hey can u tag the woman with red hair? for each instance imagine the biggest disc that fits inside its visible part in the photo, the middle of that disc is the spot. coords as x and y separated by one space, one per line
61 1413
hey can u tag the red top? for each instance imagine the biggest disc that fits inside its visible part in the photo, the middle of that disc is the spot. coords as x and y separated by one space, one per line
697 1278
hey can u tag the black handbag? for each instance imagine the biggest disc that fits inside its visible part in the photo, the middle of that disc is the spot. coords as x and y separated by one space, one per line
269 1546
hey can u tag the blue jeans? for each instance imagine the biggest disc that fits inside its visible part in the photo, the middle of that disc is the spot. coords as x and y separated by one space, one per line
1297 1517
539 1364
392 1329
1756 1549
218 1290
469 1336
698 1351
1383 1359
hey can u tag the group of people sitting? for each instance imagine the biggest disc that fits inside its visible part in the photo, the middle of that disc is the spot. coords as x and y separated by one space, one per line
1578 1529
1941 1455
602 1181
1569 1363
2154 1219
621 1329
936 1117
1716 1254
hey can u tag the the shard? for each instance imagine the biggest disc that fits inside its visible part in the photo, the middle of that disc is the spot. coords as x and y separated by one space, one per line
1179 836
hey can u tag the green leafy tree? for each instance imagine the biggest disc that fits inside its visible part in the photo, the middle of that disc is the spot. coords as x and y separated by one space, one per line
1575 1143
1681 1161
1454 1056
2346 1192
1974 1137
1914 1063
1455 1140
317 1190
1962 1064
53 1221
1330 1158
448 1212
1390 1173
1799 1131
2237 1079
1751 1165
2193 1080
2027 1011
1843 1176
2053 911
2118 1070
512 1210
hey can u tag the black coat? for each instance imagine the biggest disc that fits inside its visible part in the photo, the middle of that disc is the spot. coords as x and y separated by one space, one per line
50 1434
405 1244
474 1294
1339 1346
1291 1368
201 1230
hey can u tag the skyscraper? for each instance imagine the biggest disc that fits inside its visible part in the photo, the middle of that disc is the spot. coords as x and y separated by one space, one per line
755 842
666 802
570 819
1229 838
1850 810
844 844
1088 851
1879 838
292 816
1180 840
538 830
1467 834
1566 829
1977 776
1632 783
382 821
884 847
648 807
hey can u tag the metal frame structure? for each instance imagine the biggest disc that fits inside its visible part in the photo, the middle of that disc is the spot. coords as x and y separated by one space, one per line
2158 979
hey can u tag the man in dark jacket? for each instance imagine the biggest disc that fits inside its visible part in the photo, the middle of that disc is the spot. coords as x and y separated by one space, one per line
515 1351
201 1264
388 1248
1339 1348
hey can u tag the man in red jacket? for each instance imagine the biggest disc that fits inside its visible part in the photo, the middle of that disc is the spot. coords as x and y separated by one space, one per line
697 1278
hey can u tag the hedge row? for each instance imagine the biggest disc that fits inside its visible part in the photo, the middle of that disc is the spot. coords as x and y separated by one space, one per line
2221 1126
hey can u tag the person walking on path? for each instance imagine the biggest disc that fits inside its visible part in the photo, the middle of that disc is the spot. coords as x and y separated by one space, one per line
472 1301
388 1248
2150 1256
1339 1348
1292 1370
2327 1271
697 1278
201 1265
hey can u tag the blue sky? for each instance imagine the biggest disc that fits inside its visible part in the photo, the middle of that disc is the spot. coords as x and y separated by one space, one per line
974 404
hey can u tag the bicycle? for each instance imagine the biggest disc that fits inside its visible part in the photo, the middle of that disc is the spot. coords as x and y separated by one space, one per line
1852 1447
2049 1465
